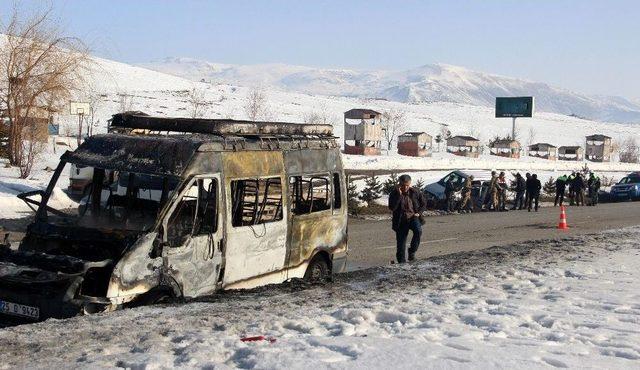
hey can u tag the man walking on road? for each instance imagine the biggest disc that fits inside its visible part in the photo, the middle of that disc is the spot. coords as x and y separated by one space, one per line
520 188
561 184
533 188
407 204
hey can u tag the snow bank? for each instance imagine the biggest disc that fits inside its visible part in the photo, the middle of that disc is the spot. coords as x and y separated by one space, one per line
571 303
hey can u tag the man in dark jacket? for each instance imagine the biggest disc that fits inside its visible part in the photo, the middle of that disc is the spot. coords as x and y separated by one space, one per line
561 184
407 204
520 188
533 188
594 188
526 185
578 189
450 189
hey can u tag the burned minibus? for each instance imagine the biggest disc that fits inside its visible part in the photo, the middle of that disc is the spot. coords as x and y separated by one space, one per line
190 207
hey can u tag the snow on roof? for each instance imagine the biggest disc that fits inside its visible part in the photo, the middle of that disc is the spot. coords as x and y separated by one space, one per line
466 138
357 113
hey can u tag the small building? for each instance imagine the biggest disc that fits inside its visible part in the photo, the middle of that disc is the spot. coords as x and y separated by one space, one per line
36 126
505 148
543 150
598 148
465 146
570 153
415 144
362 132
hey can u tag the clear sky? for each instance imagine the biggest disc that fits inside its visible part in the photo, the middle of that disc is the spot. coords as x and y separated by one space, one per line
590 46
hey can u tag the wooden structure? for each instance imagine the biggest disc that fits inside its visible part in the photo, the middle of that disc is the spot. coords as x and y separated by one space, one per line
505 148
465 146
543 150
598 148
570 153
362 132
415 144
35 126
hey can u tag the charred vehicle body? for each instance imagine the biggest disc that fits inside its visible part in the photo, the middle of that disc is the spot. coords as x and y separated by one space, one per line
191 207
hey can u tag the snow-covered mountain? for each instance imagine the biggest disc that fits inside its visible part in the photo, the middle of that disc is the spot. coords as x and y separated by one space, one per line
429 83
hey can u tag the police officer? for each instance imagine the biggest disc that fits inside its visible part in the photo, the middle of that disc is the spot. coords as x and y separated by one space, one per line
561 184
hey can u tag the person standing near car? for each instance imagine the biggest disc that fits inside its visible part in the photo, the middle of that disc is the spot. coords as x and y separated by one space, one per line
466 205
449 192
502 192
533 188
520 188
407 204
594 188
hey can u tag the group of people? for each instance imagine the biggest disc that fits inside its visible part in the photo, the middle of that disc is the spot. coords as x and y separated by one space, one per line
577 187
527 191
408 203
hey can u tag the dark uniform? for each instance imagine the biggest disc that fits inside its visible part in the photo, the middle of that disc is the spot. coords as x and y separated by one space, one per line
449 192
594 189
578 189
561 184
533 188
521 187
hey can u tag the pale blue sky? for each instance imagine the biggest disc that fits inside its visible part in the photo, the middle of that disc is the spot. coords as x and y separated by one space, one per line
591 46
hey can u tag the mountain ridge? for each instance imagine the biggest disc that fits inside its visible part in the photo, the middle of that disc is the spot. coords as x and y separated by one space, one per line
428 83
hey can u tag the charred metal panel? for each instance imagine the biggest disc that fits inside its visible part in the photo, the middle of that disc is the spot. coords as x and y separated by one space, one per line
309 161
147 154
138 120
252 164
136 272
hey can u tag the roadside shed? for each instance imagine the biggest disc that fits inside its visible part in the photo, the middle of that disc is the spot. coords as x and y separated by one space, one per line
465 146
415 144
543 150
362 132
570 153
505 148
598 148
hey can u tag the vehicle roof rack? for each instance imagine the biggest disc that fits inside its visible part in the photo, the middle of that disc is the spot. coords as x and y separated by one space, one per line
221 127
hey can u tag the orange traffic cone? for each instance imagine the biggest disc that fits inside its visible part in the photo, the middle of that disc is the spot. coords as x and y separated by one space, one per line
563 220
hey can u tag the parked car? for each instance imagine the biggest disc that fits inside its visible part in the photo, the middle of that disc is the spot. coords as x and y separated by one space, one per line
627 189
435 192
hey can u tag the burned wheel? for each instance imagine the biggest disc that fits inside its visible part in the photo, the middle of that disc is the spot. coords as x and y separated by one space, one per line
318 270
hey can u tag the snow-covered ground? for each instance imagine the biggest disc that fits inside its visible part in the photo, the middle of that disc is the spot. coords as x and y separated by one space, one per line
569 303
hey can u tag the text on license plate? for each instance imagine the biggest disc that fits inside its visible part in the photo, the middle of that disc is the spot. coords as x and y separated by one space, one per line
16 309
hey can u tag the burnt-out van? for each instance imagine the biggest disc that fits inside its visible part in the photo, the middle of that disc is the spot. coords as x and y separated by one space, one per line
189 208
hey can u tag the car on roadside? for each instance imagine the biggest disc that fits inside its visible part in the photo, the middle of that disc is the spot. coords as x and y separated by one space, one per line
434 192
627 189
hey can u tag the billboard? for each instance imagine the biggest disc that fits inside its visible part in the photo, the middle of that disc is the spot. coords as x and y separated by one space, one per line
521 106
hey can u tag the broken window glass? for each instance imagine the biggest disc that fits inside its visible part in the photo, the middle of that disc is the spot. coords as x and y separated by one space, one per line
309 194
256 201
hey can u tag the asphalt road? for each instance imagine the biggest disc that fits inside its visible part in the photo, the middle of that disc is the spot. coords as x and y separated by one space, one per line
372 243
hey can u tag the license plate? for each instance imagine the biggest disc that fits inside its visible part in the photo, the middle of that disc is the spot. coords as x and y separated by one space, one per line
16 309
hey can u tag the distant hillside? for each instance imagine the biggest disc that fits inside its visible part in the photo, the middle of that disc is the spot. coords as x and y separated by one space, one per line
429 83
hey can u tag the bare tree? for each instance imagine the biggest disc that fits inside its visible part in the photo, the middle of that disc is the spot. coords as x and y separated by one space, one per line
629 151
39 71
318 117
256 106
532 135
393 123
126 102
197 102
